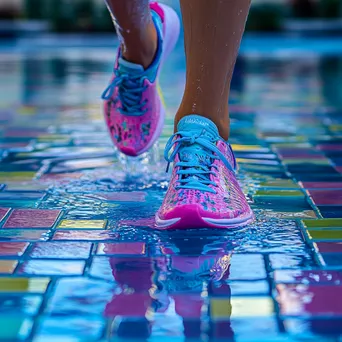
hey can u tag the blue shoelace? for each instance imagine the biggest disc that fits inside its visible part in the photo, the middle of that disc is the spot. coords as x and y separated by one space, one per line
130 93
193 174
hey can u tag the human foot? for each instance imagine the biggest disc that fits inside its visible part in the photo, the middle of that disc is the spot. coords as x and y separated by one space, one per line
203 190
133 108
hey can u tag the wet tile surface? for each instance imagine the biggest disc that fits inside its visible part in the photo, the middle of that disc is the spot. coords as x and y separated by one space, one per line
79 258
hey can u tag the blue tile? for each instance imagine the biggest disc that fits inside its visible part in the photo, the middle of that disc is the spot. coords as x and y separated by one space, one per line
14 304
70 328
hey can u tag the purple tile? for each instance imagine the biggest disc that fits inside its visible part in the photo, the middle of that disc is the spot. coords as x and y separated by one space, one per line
32 218
85 235
23 235
329 247
326 197
290 261
23 132
329 147
317 300
321 185
3 212
131 248
12 248
52 267
61 250
308 277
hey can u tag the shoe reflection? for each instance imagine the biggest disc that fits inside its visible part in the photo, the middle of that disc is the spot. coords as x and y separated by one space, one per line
172 295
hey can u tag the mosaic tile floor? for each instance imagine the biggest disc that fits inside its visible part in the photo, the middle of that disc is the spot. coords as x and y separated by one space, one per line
79 258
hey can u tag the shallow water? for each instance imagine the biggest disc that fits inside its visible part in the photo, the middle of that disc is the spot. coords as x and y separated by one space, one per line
93 268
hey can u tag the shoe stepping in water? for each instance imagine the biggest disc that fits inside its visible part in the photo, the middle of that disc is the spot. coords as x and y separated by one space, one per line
133 108
203 190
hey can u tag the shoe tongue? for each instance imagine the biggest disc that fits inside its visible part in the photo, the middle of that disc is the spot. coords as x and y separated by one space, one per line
198 124
195 153
126 67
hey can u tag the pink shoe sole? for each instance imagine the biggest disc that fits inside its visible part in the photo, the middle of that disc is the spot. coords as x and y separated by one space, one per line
193 220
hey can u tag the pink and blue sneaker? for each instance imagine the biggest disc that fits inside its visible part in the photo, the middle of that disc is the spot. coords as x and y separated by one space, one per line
133 107
203 190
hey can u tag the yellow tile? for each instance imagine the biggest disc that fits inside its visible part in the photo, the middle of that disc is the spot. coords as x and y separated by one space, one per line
241 307
325 234
249 148
323 223
17 176
30 285
336 128
8 266
82 224
280 183
220 308
27 110
53 137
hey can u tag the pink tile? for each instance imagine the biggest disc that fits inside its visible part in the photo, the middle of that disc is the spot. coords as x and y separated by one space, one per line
32 218
144 222
329 147
329 247
21 132
61 250
298 300
3 212
189 305
321 185
61 176
85 235
12 248
326 197
129 304
11 145
132 248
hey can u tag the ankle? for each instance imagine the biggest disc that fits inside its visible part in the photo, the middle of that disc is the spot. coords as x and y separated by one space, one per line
140 48
222 122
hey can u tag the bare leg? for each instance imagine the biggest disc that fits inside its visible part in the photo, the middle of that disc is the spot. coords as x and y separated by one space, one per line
212 33
134 25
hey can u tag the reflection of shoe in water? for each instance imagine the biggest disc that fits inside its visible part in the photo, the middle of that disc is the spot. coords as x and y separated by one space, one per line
133 107
164 293
203 190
